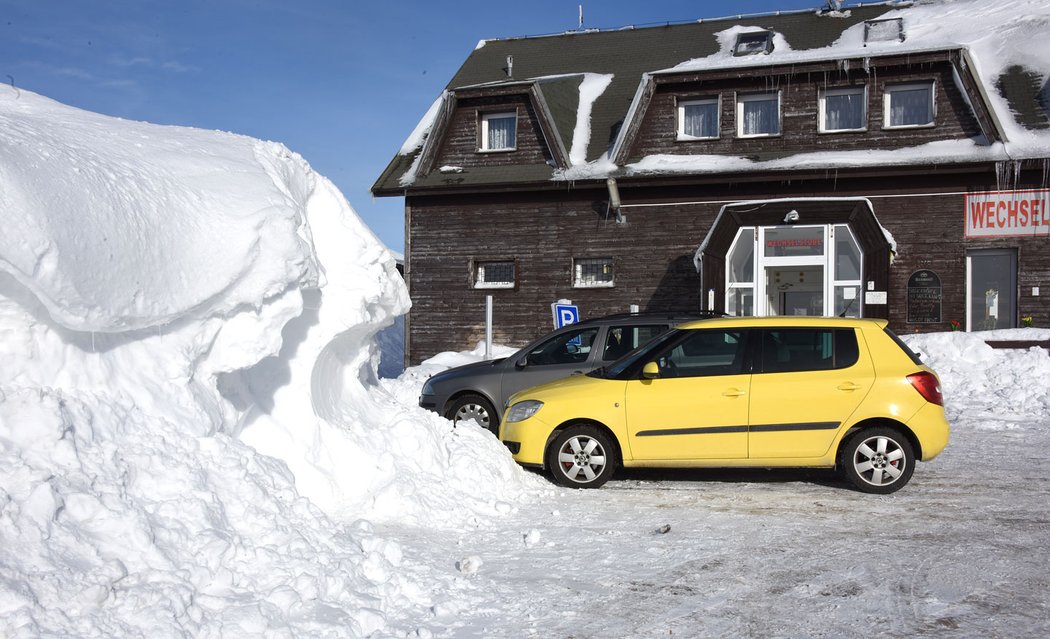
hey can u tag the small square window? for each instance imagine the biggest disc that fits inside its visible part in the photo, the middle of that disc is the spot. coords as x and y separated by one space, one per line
592 272
499 131
494 274
753 43
843 110
758 115
698 119
909 105
887 30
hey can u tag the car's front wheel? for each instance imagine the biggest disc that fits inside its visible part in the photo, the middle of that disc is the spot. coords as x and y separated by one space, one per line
877 460
581 457
474 407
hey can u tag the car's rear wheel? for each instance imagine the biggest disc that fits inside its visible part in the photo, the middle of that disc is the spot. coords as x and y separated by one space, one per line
474 407
877 460
582 457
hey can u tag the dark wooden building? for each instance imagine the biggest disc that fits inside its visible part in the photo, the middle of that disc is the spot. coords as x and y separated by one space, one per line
819 162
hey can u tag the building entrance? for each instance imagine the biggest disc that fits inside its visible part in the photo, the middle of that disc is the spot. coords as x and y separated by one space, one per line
794 270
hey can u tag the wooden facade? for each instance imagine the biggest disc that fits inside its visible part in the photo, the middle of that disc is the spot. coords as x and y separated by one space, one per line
518 206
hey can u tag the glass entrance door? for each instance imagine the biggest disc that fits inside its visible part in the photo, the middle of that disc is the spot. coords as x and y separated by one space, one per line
795 290
794 270
991 289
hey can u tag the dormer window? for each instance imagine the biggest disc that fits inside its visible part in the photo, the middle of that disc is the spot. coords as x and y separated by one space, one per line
499 131
698 119
909 106
758 115
887 30
843 110
753 43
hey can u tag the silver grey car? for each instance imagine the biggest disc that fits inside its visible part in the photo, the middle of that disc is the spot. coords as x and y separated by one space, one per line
479 391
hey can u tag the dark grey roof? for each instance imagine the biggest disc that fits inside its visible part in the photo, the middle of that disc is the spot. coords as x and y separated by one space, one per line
628 54
1028 96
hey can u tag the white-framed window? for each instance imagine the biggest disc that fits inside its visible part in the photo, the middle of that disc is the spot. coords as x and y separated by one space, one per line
758 114
592 272
843 110
909 105
494 274
499 131
698 119
753 43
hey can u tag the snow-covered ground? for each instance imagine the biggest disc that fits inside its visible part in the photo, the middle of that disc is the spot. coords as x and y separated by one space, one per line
194 442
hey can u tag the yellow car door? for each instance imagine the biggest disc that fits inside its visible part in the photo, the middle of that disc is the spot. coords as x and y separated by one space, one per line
806 383
692 402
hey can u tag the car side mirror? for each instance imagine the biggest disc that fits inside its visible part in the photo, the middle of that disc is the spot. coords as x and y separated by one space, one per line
651 370
521 363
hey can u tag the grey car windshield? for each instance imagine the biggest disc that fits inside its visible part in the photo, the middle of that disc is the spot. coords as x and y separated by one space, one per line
627 366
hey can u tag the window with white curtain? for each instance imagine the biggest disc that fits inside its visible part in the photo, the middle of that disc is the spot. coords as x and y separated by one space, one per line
698 119
758 115
843 110
909 105
499 131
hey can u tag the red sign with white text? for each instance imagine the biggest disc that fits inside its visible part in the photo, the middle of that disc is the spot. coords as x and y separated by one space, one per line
1008 214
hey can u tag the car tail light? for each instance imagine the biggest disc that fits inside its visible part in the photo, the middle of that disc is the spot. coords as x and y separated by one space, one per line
928 386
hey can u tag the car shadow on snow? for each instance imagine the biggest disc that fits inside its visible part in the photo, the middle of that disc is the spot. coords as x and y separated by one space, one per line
629 478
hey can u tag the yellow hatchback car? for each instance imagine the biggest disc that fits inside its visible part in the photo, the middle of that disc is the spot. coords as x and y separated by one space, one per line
766 392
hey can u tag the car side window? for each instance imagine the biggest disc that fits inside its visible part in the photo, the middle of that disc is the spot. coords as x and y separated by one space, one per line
704 353
621 340
807 349
571 347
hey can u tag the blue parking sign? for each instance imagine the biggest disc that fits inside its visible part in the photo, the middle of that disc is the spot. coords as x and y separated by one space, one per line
565 314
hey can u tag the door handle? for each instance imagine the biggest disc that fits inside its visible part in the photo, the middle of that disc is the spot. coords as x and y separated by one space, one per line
733 392
849 386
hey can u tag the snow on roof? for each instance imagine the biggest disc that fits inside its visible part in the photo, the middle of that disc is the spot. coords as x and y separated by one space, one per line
593 85
1018 38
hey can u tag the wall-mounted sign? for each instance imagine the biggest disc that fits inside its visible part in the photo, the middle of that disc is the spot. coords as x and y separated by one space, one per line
924 297
794 241
1008 214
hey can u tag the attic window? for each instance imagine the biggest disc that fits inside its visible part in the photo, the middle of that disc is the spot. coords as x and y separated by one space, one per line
499 131
909 105
698 119
753 43
887 30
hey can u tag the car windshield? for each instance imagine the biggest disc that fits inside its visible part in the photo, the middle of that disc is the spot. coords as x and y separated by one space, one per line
627 365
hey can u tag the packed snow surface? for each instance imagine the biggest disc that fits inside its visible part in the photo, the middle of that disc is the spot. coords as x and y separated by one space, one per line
194 443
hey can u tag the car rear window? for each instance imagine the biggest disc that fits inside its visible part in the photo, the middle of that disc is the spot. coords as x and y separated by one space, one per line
904 347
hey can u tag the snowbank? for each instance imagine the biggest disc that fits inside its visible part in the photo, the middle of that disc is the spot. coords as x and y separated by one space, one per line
172 302
1006 388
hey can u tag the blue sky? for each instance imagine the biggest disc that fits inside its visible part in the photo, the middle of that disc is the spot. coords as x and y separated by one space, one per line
342 82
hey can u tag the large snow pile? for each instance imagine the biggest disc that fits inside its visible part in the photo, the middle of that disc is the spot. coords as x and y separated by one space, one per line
172 302
1003 388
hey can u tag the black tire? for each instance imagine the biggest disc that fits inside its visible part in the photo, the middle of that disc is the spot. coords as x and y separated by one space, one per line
474 407
582 457
877 460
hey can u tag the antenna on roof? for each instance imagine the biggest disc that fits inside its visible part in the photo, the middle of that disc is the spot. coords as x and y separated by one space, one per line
580 27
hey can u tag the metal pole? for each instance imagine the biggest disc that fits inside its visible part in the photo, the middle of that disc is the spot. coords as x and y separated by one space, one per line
488 327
